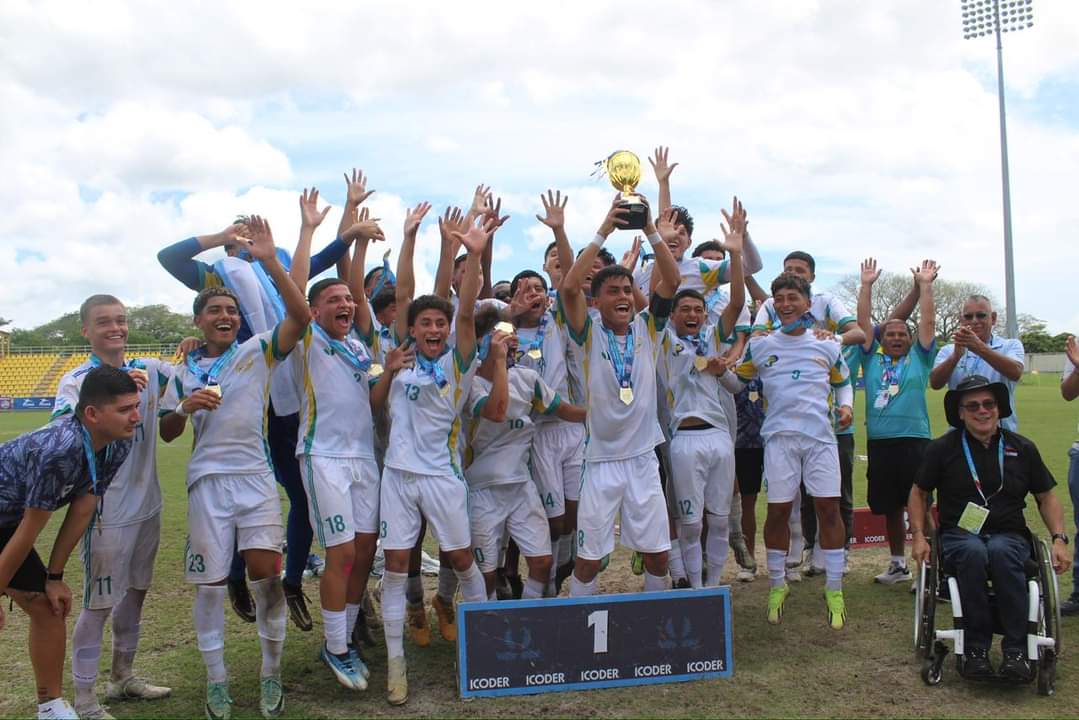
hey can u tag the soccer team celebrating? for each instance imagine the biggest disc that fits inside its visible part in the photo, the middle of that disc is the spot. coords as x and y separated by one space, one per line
601 399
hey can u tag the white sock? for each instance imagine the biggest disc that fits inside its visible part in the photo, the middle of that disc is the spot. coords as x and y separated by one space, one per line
777 568
86 653
798 542
533 589
447 584
833 569
690 551
676 561
210 629
900 560
554 560
270 618
414 588
393 612
352 614
473 589
126 623
335 630
718 547
565 550
654 582
582 589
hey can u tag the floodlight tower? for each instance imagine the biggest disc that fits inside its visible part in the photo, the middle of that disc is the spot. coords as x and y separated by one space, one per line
992 17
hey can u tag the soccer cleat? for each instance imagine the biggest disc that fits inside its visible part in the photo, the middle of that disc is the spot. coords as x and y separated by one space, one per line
135 688
361 633
242 602
446 619
92 712
57 709
813 571
315 566
776 597
680 584
837 608
638 563
746 575
396 681
358 662
895 573
297 606
272 697
794 574
418 626
742 555
218 702
344 669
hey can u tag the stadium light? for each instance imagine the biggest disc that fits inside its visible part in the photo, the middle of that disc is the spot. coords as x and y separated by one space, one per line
993 17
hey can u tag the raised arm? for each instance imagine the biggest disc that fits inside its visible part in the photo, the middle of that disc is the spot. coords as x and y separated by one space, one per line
474 240
310 219
905 308
927 319
452 221
669 276
663 170
573 299
498 400
364 231
734 231
1069 386
554 217
492 209
870 273
179 261
755 290
405 288
298 314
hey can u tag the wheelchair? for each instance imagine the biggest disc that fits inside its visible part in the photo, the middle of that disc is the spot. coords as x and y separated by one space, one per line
935 583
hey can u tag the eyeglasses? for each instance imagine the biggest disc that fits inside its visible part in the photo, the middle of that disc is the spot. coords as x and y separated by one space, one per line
974 405
979 315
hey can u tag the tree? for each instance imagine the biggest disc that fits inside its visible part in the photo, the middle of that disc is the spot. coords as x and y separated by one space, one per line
146 325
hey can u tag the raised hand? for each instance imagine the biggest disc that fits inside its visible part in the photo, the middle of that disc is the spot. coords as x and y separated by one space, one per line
1071 348
402 356
870 272
616 217
201 399
734 230
927 273
493 210
520 303
500 343
187 345
660 166
480 199
357 188
414 217
667 225
629 259
477 236
365 228
452 221
140 377
260 242
310 217
554 209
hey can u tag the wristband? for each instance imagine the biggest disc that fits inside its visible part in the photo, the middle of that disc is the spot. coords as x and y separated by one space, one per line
598 240
180 410
56 577
654 239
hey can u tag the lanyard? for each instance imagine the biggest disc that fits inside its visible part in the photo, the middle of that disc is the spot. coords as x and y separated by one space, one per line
892 371
697 341
974 472
345 350
623 364
209 377
432 368
806 321
95 361
91 461
537 342
712 300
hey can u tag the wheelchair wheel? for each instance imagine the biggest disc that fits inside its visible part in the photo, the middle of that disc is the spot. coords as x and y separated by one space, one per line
925 603
1049 615
932 671
1047 672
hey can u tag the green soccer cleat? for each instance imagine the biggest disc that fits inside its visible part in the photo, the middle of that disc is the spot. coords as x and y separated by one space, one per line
272 700
837 609
776 597
638 563
218 702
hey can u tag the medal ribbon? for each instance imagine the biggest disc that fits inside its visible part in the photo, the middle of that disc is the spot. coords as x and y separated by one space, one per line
432 368
806 321
697 341
347 353
95 361
974 471
623 364
209 377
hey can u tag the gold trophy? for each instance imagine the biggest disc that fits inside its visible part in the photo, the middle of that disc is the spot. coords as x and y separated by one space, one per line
624 170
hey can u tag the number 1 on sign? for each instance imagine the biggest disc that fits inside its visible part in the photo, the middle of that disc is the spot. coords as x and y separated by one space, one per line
598 622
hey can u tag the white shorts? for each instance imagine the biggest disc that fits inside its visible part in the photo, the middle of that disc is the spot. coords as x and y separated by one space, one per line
115 559
342 497
627 487
226 512
515 508
791 459
407 498
557 457
702 468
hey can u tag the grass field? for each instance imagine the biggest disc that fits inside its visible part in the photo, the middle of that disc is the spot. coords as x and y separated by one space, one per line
799 669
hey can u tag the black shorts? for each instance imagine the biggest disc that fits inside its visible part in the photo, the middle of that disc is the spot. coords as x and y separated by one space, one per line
893 463
749 468
31 575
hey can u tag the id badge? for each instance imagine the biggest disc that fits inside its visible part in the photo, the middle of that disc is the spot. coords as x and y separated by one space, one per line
973 518
882 400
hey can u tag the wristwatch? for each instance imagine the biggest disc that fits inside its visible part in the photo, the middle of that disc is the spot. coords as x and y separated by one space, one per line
1061 537
56 576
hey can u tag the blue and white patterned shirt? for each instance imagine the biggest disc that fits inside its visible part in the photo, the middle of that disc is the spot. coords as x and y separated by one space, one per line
47 468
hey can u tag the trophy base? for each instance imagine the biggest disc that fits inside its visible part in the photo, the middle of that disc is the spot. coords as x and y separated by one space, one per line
637 215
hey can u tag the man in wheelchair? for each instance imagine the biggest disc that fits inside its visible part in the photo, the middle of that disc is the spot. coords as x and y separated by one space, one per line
981 474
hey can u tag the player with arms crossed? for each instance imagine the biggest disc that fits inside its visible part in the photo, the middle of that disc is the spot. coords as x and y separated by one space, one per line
71 461
799 372
621 473
231 493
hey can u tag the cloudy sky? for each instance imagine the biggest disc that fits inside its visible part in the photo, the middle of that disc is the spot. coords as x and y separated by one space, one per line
847 128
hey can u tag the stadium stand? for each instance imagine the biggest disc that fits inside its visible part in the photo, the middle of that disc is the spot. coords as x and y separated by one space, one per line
37 374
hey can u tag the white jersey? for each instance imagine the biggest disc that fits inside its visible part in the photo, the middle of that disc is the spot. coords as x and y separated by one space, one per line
333 379
135 492
498 451
550 340
827 311
798 373
425 415
717 301
698 274
382 340
230 440
690 392
617 430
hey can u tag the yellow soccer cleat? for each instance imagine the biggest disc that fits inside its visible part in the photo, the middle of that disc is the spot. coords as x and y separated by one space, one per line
418 627
447 620
776 597
837 609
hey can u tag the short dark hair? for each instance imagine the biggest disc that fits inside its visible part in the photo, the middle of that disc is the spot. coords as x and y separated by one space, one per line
688 293
316 289
682 217
383 300
608 273
604 256
524 275
710 245
102 385
429 302
486 319
459 259
370 274
904 323
804 257
790 281
96 301
550 247
211 292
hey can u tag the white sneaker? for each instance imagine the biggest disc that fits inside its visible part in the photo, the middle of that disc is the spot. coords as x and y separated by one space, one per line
895 573
57 709
794 575
746 575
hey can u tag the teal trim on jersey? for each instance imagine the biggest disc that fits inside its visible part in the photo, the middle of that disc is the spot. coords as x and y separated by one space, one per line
368 338
582 338
312 497
61 411
312 403
478 408
462 365
274 344
554 405
845 321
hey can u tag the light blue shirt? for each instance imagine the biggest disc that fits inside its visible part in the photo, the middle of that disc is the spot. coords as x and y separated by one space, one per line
903 414
971 364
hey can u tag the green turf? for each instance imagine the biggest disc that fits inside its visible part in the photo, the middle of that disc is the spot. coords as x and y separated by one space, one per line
799 669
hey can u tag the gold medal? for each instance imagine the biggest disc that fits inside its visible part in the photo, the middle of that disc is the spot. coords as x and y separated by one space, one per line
754 396
700 363
215 389
444 390
376 370
893 390
535 353
505 327
626 395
